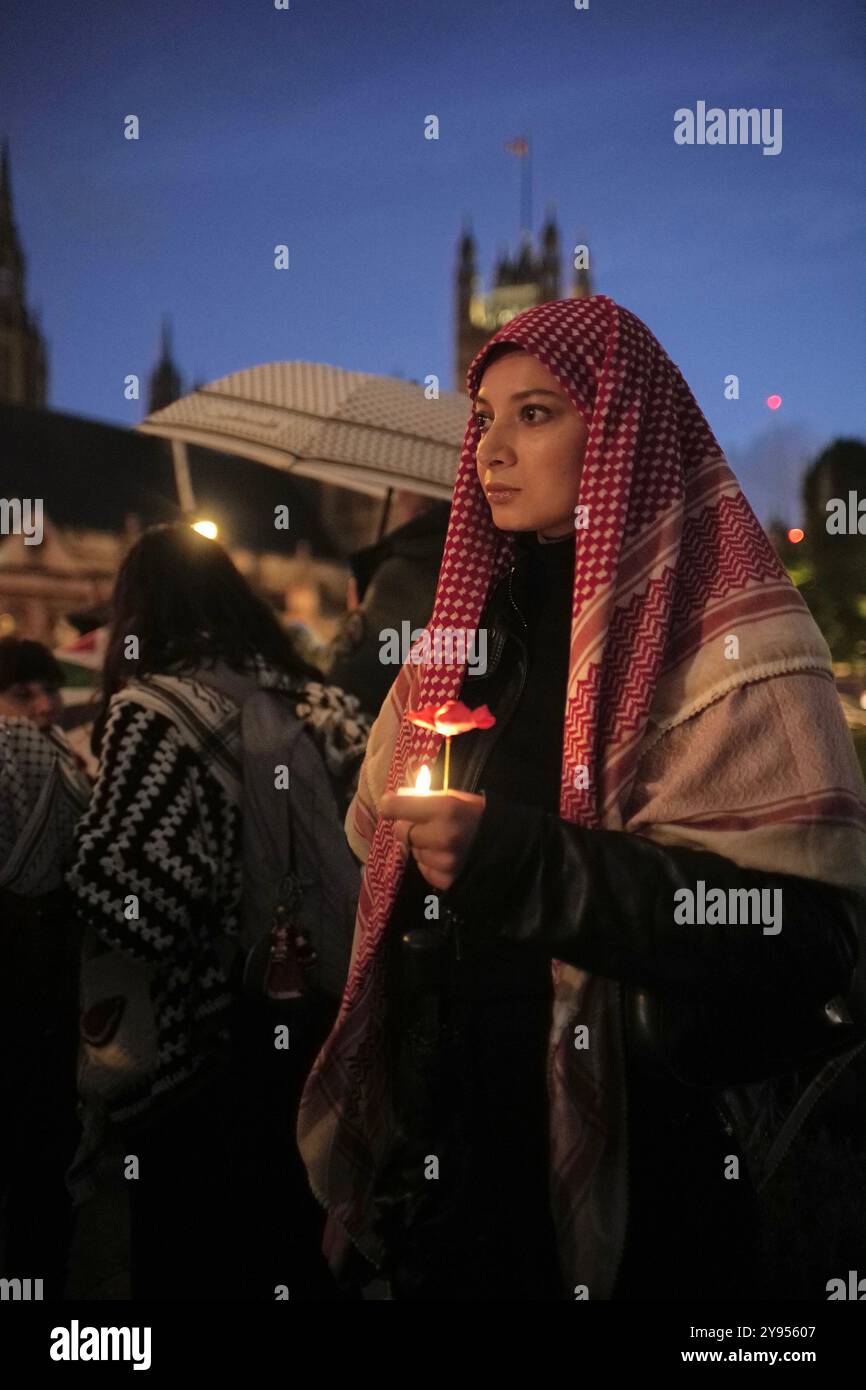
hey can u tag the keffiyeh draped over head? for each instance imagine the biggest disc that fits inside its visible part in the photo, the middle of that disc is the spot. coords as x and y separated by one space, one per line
669 560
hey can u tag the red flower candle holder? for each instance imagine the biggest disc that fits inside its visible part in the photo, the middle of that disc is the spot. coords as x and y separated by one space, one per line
449 719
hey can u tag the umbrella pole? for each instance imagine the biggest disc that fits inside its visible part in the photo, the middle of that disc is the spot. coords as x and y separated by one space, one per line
383 519
182 479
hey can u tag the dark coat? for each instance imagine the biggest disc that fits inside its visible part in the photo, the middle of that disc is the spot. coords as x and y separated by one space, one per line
468 1068
396 581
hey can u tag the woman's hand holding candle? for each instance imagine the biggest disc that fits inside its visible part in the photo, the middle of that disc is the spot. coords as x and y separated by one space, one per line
438 827
442 826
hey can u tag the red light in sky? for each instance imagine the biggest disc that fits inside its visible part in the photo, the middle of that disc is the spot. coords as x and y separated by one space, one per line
795 535
774 402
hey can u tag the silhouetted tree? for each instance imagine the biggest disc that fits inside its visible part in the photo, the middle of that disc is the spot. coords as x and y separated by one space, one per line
836 588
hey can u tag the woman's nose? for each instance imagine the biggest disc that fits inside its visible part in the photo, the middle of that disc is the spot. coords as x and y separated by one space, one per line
496 452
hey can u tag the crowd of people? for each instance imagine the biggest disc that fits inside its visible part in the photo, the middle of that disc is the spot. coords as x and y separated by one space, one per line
346 1043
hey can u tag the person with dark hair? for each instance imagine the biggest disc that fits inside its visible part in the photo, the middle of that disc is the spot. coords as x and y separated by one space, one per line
43 791
394 583
180 603
158 881
30 681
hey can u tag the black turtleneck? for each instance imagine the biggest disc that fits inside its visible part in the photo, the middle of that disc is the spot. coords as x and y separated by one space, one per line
523 766
525 762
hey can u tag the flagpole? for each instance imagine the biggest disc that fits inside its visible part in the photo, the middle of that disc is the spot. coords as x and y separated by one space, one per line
523 150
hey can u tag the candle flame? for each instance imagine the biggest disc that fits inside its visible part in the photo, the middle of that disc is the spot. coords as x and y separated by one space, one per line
422 781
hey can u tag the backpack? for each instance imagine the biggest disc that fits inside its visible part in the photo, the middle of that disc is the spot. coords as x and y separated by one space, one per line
300 879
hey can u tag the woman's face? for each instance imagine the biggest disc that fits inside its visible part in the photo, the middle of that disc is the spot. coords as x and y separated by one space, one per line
531 447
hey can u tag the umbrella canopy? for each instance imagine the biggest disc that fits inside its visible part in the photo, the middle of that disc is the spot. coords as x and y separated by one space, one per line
368 433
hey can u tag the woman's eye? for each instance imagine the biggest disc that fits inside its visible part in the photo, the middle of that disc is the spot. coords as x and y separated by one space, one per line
482 420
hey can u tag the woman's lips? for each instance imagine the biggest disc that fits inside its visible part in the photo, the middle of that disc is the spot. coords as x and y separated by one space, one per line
501 494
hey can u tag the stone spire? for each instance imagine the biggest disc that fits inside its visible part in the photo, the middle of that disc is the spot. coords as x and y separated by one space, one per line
165 380
23 375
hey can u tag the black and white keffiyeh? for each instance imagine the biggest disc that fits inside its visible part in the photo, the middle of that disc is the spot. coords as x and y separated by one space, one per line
43 791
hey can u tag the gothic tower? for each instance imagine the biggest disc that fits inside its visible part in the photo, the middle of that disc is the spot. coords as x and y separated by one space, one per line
550 269
23 371
529 278
469 336
165 381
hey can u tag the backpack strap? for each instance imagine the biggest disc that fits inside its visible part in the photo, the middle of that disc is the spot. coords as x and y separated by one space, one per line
800 1112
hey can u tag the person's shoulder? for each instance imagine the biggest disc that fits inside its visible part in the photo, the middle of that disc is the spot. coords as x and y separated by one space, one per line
13 726
21 739
140 705
170 694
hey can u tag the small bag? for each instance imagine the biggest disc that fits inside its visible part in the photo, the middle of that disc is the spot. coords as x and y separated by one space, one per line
118 1042
118 1048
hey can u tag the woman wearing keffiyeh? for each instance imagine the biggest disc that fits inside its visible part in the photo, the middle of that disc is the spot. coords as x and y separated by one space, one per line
666 725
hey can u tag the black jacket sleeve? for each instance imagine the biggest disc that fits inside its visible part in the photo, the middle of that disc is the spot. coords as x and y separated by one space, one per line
603 900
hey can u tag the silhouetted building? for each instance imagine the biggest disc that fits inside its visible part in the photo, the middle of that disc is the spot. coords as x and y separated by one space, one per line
165 379
23 370
531 277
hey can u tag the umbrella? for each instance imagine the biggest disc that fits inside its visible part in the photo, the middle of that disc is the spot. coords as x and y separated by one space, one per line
371 434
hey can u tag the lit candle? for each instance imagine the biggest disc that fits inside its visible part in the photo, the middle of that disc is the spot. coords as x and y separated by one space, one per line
422 784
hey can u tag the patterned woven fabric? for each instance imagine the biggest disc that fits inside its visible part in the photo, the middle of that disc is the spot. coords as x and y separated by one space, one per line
325 422
43 791
671 560
164 825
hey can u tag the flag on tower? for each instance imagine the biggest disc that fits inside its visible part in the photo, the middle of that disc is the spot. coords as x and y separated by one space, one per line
518 146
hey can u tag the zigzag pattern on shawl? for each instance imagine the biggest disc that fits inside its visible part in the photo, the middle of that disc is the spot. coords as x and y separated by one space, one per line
207 720
161 827
724 554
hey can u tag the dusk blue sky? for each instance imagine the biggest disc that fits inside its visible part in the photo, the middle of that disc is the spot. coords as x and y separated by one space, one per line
306 126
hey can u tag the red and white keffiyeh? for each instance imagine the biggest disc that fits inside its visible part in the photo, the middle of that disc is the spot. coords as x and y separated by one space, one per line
670 563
